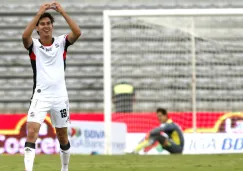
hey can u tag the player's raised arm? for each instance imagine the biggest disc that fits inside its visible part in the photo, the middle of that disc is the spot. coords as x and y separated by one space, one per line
26 36
75 30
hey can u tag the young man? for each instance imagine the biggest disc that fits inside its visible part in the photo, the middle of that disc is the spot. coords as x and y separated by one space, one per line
168 134
48 55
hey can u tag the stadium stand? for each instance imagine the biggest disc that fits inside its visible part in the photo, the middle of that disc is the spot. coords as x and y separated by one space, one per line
84 70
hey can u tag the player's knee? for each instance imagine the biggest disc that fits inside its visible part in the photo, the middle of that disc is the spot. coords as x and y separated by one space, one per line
63 139
32 131
62 136
32 135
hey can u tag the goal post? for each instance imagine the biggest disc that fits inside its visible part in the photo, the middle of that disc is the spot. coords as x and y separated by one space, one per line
178 44
107 81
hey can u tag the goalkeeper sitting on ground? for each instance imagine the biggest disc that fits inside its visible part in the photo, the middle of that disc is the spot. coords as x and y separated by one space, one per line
168 134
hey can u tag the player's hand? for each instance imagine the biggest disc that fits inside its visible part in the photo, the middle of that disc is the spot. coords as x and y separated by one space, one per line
57 7
44 7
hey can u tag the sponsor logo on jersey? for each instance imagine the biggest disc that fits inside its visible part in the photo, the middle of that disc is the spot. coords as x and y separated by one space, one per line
45 48
42 47
57 45
48 49
32 114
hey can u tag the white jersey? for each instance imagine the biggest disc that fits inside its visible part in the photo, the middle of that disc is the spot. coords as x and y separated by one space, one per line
48 63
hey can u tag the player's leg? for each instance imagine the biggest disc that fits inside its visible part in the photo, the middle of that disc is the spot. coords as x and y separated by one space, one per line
60 120
29 149
146 142
35 118
173 148
64 147
167 143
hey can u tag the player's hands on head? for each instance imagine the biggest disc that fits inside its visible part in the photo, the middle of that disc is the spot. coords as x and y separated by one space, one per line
56 6
44 7
53 5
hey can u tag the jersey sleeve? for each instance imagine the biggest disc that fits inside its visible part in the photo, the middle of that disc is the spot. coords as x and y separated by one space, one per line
65 41
31 50
65 44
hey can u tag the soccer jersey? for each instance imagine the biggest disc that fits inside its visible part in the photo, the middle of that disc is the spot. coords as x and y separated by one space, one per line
48 64
173 131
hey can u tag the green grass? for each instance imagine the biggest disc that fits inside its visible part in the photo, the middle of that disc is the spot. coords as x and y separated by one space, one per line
226 162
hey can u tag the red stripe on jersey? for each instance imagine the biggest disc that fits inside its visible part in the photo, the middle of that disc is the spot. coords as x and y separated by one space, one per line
64 54
32 56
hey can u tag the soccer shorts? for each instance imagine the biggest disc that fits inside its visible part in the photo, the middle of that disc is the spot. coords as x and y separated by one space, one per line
173 148
58 108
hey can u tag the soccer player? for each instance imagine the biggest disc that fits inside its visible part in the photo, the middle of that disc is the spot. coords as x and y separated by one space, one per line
48 56
168 134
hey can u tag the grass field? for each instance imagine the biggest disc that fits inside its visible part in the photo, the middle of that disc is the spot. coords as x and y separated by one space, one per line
232 162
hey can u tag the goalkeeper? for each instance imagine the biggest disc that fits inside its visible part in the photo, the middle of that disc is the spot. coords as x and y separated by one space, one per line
168 134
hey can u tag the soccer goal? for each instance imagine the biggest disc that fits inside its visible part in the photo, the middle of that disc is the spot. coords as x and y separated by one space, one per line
189 61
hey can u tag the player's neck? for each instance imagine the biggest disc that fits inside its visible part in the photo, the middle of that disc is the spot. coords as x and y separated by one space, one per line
165 120
46 41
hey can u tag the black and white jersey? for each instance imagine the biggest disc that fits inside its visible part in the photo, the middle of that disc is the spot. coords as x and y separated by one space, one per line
49 63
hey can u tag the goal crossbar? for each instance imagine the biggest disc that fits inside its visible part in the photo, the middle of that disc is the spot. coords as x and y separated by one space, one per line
174 12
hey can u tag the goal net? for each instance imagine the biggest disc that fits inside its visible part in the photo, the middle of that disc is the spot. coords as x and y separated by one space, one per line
189 62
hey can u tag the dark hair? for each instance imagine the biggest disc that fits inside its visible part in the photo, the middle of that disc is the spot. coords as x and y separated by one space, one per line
162 110
44 15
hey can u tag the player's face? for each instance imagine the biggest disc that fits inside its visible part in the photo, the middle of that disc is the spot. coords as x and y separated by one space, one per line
45 27
162 118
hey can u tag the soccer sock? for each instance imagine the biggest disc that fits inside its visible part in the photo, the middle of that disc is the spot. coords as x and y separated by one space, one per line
29 155
141 145
65 156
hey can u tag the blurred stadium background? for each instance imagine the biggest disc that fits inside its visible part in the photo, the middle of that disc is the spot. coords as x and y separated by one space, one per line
219 83
85 64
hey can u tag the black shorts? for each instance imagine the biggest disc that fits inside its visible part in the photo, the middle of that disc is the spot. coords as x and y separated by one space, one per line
173 148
